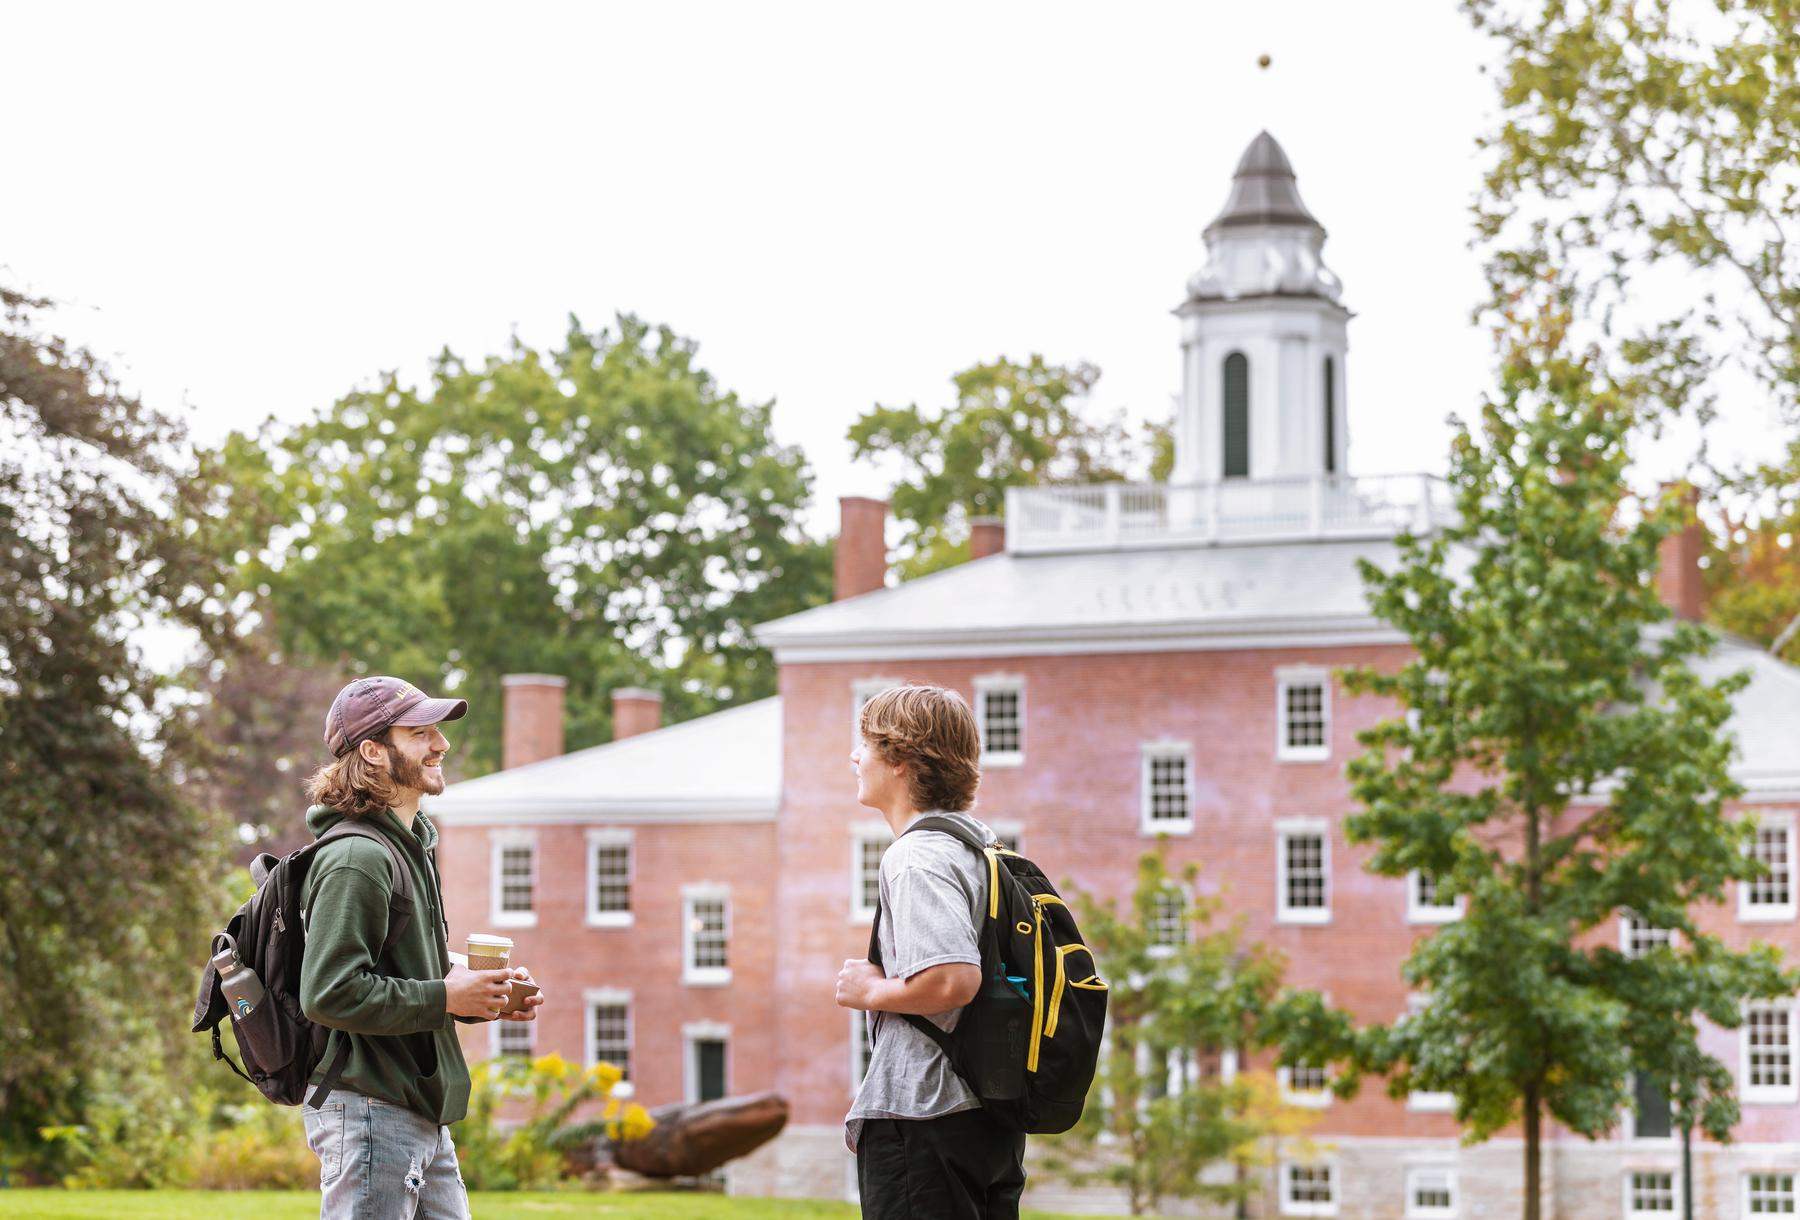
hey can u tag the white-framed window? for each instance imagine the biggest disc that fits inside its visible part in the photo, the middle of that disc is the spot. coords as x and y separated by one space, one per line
1302 871
1768 1038
609 868
1426 1102
868 843
1309 1189
1650 1193
1008 835
515 1038
514 878
1430 1192
1302 713
861 691
1168 789
1000 715
862 1048
707 1074
1425 905
608 1033
1770 896
1304 1085
1168 920
705 935
1638 936
1770 1192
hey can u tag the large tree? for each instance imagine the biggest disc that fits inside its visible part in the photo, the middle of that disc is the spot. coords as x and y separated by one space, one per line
1556 762
1645 149
603 510
1012 424
1185 989
109 873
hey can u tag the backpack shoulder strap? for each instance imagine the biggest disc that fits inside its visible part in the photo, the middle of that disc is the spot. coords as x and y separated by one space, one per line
402 906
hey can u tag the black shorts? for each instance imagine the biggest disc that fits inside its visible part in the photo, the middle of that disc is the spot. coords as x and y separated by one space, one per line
963 1166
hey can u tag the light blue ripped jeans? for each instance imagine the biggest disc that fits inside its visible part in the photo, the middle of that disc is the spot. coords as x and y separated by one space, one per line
378 1161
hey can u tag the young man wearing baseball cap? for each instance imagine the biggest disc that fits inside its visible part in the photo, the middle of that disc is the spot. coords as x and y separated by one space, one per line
382 1137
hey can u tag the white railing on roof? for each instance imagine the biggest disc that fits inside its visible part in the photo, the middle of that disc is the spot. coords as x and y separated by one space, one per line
1107 516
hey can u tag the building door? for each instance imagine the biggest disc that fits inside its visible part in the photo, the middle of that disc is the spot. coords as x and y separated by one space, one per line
1652 1107
709 1068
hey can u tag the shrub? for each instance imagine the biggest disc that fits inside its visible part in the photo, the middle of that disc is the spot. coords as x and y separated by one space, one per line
535 1152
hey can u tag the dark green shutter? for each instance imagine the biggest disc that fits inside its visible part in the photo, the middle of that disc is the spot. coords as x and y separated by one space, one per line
1330 416
711 1056
1237 416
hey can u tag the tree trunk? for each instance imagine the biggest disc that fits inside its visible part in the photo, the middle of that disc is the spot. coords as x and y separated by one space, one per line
1533 1151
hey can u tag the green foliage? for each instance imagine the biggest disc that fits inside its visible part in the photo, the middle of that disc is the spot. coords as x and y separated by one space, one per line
603 511
1011 425
110 872
533 1151
1181 991
1646 151
1557 762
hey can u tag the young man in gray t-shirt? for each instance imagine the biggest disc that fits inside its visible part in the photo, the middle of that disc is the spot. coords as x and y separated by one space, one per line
924 1146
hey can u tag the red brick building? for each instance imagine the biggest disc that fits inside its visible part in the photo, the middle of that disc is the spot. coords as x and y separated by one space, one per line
1146 663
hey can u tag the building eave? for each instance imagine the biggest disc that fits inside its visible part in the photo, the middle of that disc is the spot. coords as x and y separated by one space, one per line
1178 636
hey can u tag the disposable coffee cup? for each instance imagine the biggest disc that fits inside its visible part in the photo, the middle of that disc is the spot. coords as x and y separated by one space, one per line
489 952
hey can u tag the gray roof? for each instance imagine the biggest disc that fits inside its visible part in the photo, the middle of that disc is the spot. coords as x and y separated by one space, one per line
1126 600
1264 191
719 768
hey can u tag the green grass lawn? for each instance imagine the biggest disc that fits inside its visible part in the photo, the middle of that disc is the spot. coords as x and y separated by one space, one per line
489 1205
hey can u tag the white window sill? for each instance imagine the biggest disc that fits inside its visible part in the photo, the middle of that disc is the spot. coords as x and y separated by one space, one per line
1769 1097
1748 914
1003 760
1304 915
1431 1103
1431 915
513 919
1170 826
1309 1209
706 978
610 919
862 917
1310 1101
1304 754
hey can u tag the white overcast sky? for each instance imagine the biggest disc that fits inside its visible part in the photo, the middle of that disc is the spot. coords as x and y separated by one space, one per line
250 210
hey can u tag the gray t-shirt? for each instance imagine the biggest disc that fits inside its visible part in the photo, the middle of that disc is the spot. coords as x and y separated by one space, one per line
933 899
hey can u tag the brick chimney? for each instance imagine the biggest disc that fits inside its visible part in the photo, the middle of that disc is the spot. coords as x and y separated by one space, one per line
531 718
635 710
861 546
1678 572
987 536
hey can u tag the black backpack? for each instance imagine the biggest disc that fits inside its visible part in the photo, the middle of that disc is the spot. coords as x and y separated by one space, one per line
1027 1044
281 1048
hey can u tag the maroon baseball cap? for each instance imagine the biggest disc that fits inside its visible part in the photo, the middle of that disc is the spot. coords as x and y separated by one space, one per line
369 705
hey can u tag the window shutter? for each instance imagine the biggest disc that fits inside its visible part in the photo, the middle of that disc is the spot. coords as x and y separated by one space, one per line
1237 416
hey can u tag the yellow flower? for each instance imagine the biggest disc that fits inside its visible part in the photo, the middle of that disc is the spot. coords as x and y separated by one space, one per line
605 1076
638 1122
552 1065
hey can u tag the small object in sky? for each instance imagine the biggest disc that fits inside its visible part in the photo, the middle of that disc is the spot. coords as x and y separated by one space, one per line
1262 61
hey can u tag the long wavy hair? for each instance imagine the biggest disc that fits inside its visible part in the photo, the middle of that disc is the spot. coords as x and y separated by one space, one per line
352 785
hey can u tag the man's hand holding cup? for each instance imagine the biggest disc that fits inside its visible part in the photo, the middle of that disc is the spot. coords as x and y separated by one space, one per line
519 997
477 993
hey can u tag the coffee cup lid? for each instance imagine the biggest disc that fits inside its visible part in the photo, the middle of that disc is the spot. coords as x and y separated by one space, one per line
492 942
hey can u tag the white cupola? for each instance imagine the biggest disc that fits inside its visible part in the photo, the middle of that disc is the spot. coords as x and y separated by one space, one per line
1262 338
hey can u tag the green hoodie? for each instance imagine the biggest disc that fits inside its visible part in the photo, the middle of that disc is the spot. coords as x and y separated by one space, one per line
403 1046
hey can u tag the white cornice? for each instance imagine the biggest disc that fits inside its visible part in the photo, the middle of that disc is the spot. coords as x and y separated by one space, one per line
1333 632
551 811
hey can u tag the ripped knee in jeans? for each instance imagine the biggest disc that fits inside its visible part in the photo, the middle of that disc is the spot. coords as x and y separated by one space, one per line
415 1177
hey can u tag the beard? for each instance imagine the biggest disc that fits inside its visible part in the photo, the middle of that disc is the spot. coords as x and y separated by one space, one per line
409 774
